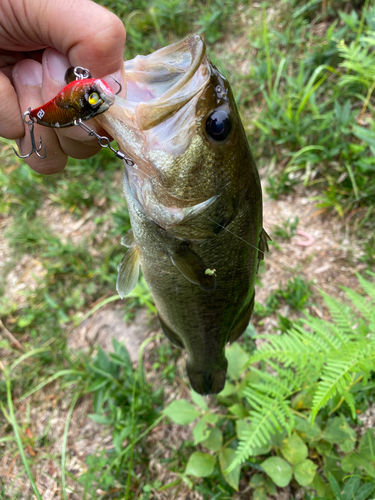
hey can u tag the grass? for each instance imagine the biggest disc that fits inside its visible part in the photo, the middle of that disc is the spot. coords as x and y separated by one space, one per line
303 77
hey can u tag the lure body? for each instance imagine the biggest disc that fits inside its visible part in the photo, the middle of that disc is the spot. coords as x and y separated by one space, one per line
80 99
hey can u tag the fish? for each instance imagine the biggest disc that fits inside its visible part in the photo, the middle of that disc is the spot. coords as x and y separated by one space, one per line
79 100
195 203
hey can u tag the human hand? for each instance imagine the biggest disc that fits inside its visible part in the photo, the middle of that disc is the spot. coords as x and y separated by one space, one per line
39 41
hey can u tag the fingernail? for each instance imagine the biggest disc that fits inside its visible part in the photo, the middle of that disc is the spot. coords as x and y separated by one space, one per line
57 64
29 72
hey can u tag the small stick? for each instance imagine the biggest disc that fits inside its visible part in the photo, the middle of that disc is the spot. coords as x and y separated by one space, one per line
12 339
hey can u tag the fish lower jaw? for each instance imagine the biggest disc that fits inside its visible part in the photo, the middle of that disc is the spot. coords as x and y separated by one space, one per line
206 381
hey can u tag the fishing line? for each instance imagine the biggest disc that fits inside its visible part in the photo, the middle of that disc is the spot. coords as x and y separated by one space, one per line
268 256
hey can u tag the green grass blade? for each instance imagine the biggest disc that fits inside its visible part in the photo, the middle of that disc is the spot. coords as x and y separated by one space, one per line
17 436
64 443
53 377
27 355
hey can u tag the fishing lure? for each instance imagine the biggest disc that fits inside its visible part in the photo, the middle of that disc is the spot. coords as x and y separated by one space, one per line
80 99
83 98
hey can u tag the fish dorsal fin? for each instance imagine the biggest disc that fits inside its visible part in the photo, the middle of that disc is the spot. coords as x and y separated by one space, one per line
128 239
128 271
192 267
263 243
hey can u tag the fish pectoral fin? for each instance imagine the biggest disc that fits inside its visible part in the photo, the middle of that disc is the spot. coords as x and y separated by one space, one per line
128 272
192 267
242 323
128 239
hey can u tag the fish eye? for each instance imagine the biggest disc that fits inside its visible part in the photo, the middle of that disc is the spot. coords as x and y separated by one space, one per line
94 98
218 125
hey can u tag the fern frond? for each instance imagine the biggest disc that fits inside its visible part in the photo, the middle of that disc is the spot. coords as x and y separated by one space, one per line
268 416
272 384
325 334
292 348
361 304
337 374
341 314
367 286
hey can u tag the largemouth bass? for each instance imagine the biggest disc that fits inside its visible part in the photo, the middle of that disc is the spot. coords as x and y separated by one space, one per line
195 203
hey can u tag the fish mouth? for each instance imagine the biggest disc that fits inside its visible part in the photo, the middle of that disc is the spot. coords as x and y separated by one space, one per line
163 88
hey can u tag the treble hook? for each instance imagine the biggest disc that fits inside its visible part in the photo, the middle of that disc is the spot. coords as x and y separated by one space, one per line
34 149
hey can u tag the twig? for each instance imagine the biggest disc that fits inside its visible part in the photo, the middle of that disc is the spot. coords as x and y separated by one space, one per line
12 339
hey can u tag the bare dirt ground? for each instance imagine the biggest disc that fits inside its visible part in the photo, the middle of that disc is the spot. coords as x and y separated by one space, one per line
332 260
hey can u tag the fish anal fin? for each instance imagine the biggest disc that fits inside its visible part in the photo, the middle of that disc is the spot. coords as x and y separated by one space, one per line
170 334
128 272
128 239
241 325
192 267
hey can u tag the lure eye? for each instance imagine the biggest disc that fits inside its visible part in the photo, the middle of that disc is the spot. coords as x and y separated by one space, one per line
218 125
94 98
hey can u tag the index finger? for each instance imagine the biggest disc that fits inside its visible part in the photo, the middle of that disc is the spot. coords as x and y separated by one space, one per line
90 35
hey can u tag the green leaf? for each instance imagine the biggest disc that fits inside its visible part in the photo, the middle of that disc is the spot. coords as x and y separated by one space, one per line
181 412
212 418
226 457
228 390
350 488
335 486
257 480
99 419
303 400
238 410
214 440
304 472
260 493
270 487
332 467
294 449
367 445
237 359
199 400
339 432
200 431
364 491
322 488
306 430
200 464
354 460
278 470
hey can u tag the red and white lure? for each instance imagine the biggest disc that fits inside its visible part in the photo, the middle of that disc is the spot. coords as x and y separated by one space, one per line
79 100
82 98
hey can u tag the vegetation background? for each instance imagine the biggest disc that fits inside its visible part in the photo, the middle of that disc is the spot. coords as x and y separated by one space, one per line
296 418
